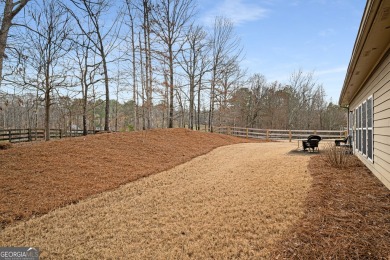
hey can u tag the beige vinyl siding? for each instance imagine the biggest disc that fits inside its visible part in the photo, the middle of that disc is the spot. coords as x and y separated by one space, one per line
383 98
382 123
382 140
381 155
381 107
378 86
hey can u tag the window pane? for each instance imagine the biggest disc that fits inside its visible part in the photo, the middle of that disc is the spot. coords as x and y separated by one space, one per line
369 145
360 140
350 123
364 118
351 127
364 139
369 112
356 118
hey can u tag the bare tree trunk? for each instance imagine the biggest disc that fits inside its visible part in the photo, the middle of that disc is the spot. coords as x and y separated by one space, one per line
11 9
47 107
191 108
171 83
150 75
135 88
142 86
116 106
84 86
199 92
212 99
94 109
107 88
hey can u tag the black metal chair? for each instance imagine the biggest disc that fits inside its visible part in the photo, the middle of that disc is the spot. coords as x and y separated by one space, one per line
346 142
311 142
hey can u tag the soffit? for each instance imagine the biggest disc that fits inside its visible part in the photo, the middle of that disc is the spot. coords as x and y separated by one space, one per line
371 44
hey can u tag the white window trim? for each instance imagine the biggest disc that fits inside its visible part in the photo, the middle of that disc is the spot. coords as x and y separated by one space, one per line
360 129
358 117
371 128
364 147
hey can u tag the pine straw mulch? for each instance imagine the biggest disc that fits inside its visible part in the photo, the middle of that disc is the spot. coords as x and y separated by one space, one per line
347 216
36 178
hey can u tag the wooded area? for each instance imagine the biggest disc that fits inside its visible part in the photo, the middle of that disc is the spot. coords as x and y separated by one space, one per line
141 64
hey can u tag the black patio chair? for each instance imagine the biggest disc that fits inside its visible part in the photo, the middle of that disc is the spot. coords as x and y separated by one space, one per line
346 142
311 142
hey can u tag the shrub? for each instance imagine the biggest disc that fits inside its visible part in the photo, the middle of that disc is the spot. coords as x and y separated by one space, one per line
130 128
337 156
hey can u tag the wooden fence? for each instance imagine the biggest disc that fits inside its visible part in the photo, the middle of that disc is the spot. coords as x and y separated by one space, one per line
28 135
275 134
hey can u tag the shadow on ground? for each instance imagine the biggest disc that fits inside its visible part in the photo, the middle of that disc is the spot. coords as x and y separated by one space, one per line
302 152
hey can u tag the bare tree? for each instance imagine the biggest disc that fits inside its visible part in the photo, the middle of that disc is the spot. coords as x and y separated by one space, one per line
11 9
225 49
103 39
230 80
148 84
258 85
48 36
88 73
195 64
170 19
131 23
301 86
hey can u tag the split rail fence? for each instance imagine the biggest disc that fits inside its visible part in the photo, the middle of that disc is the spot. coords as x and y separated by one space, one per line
275 134
28 135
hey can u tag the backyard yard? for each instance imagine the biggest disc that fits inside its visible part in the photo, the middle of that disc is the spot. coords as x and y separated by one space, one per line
172 194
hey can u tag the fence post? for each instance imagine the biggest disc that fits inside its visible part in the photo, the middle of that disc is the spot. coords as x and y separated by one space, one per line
247 133
228 130
60 133
29 135
267 134
289 135
315 132
9 136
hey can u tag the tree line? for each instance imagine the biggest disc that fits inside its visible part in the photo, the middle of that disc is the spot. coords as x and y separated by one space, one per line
140 64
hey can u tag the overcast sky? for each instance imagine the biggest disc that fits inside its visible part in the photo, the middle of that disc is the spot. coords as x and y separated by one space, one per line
282 36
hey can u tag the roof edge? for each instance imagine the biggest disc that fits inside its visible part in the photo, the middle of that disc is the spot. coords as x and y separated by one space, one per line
364 28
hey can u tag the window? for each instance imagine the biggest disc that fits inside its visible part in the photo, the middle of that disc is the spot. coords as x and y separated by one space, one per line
364 128
356 129
359 128
370 138
351 126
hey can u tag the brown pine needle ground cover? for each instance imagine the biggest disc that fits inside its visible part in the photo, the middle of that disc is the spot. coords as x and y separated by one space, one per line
231 203
347 216
36 178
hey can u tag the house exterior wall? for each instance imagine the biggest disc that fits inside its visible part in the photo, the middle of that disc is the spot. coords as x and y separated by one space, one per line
376 87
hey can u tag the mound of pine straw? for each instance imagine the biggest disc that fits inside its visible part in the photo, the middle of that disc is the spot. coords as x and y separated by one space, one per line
347 216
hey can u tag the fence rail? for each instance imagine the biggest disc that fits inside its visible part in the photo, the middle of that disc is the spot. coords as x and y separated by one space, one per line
276 134
28 135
